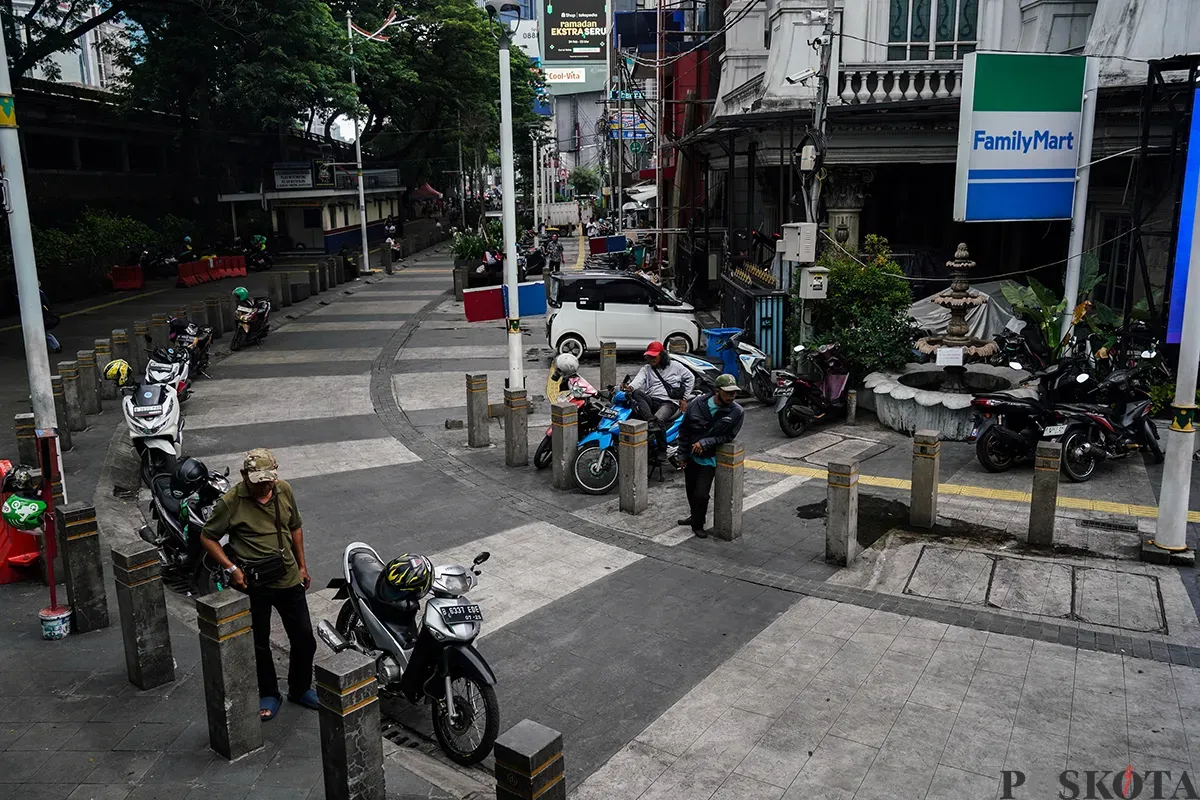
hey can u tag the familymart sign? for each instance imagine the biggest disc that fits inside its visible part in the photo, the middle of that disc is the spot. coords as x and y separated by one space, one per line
1018 139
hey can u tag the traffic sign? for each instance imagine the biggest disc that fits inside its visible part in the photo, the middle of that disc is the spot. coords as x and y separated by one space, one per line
635 147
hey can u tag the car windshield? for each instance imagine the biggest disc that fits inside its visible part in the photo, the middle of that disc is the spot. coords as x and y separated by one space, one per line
671 298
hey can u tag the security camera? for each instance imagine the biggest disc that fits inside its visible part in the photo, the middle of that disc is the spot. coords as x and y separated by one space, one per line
798 77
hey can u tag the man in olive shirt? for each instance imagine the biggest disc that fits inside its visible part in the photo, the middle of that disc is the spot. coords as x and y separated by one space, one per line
260 516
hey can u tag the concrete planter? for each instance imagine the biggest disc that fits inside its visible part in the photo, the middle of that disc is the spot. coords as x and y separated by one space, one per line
908 408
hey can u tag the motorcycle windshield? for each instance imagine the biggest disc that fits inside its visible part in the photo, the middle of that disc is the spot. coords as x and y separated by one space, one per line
834 384
152 395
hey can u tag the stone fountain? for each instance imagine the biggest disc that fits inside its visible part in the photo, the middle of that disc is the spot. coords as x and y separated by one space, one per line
932 397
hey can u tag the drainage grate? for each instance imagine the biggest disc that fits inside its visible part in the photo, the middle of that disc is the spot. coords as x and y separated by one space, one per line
1105 525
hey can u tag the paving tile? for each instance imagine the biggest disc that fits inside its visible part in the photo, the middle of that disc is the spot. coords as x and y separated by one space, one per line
156 736
633 769
739 787
684 723
18 767
836 764
99 792
892 777
38 791
940 691
978 741
11 731
179 768
98 735
289 772
193 738
159 792
924 629
123 767
69 766
45 736
1004 661
1100 672
956 784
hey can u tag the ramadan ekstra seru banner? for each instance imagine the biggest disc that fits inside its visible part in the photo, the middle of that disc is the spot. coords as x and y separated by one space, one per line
1018 141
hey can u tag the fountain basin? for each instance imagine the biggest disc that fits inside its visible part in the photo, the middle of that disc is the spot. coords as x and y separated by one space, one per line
912 400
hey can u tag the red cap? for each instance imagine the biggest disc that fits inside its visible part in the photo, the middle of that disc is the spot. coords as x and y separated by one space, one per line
654 349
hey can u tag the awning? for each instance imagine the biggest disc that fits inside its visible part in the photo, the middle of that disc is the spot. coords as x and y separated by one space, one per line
425 192
642 193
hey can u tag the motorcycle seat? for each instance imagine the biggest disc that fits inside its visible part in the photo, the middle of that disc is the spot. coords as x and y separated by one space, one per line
399 616
161 488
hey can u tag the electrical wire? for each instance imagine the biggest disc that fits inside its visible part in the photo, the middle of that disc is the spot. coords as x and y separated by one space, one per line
664 62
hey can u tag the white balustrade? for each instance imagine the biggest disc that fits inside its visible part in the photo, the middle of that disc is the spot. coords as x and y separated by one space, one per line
863 84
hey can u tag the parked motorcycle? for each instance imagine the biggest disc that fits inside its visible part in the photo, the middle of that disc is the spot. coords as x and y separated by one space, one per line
170 365
432 659
801 400
753 377
579 393
155 425
181 503
1094 432
195 341
253 323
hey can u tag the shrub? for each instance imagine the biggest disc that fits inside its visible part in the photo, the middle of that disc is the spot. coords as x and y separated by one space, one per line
468 246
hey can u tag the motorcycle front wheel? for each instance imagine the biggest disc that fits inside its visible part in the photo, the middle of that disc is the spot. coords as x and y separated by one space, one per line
239 340
468 738
991 452
544 454
792 422
764 390
596 469
1078 463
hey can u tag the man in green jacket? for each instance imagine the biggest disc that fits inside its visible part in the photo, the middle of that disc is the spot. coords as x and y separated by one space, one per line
262 521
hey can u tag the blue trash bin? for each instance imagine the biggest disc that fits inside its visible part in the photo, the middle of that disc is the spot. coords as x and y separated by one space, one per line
715 338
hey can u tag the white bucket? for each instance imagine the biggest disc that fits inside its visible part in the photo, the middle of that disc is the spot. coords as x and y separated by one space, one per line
56 622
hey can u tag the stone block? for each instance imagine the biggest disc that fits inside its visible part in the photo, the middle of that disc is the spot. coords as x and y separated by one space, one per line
632 467
841 521
72 396
122 348
23 427
926 473
564 441
137 573
60 411
83 566
103 348
516 428
89 387
284 287
215 320
198 313
478 426
301 292
351 727
322 278
728 489
529 763
1043 505
314 282
230 676
159 330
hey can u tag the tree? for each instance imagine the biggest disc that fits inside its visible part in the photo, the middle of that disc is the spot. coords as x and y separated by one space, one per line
586 180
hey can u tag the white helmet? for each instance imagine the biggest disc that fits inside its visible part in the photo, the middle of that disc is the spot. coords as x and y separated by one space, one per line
567 365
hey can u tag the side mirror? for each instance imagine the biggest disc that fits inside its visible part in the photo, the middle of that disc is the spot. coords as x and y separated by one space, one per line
1015 365
227 472
1148 354
1082 377
798 348
482 557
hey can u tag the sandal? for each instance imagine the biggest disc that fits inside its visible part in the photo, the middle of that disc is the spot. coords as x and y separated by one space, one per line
268 707
308 699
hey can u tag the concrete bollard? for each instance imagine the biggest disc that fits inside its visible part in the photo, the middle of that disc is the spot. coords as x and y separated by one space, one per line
608 364
322 277
72 396
230 676
137 573
841 519
121 347
339 269
516 428
478 429
460 283
387 259
215 321
159 331
26 439
1044 504
529 763
314 282
60 411
103 348
274 291
199 314
851 406
89 388
632 467
141 328
180 313
83 570
331 272
728 488
926 471
677 346
284 284
351 727
564 441
225 306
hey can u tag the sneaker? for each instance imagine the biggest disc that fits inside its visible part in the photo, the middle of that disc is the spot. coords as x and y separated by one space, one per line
686 521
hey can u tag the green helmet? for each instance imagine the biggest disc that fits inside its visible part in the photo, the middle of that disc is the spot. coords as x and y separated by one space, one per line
241 294
23 513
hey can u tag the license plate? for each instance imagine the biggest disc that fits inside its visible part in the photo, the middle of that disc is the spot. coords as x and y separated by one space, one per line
147 411
609 413
783 392
456 614
1054 430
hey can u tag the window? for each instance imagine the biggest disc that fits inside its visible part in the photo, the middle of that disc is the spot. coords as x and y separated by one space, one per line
627 292
569 291
926 30
312 218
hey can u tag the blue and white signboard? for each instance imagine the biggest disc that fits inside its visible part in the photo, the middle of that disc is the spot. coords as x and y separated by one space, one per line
1018 141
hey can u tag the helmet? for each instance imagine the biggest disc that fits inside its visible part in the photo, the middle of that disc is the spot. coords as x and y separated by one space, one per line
188 476
20 480
187 240
118 371
567 365
241 294
408 576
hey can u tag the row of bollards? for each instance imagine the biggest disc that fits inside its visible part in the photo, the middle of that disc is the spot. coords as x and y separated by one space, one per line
841 520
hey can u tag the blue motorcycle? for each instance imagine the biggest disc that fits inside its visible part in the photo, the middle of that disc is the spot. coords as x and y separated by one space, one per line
596 464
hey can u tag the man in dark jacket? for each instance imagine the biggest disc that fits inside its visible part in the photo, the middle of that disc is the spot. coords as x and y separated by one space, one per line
712 420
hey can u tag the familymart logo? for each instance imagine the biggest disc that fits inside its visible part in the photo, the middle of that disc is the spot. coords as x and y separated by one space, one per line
1124 784
1022 142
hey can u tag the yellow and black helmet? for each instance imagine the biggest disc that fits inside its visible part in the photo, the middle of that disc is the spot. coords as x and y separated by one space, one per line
118 371
410 575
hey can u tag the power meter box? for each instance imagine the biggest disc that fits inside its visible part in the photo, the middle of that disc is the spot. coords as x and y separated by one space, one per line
814 283
800 242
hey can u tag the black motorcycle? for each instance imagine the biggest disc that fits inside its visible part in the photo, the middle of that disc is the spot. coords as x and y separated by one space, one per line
803 398
195 340
1095 432
253 323
182 501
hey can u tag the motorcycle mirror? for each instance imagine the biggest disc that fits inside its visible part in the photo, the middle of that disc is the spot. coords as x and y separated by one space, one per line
1015 365
798 348
227 472
482 557
1148 354
1082 377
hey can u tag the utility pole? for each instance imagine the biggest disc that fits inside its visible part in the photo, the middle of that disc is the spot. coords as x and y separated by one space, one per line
619 200
462 178
821 107
1170 531
534 181
358 163
660 50
37 358
508 189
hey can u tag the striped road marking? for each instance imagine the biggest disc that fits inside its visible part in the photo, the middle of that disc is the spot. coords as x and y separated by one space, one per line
323 458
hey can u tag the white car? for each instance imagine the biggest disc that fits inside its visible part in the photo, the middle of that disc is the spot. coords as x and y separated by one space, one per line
587 308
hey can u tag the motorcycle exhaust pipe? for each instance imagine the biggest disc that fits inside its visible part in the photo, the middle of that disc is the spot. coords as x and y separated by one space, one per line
149 536
329 635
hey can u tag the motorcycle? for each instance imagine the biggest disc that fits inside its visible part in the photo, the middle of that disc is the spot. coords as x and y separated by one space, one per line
596 464
433 659
753 376
169 365
579 393
1094 432
253 323
180 505
155 426
194 340
801 400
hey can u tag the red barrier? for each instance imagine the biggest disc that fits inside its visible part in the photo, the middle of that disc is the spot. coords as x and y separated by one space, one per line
18 550
185 276
239 266
216 268
204 270
127 278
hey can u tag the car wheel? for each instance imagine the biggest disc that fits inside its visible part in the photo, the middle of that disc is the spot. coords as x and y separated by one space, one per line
573 345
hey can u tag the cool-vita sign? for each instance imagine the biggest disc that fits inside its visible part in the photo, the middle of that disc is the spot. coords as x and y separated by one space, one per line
1018 139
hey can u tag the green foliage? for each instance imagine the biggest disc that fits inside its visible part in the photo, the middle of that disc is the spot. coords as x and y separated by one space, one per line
493 232
586 180
1162 394
1039 306
865 310
468 246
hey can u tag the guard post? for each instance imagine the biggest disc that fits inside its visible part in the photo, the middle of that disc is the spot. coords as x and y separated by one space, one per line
230 677
926 470
633 467
351 727
564 441
841 520
1044 503
728 486
143 609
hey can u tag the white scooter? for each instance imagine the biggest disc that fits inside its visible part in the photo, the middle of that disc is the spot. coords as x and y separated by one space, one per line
155 426
170 366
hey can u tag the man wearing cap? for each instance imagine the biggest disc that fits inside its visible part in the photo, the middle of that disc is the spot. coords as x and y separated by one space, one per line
711 420
659 390
262 521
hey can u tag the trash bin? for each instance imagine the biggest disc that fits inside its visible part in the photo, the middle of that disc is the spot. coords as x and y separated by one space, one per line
715 338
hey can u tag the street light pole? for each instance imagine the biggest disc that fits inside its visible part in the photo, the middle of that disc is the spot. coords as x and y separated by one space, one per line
358 163
508 193
534 180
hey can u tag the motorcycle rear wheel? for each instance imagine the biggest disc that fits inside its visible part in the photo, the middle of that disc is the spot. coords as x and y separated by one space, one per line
991 453
239 340
596 469
791 422
764 390
1076 464
544 454
477 699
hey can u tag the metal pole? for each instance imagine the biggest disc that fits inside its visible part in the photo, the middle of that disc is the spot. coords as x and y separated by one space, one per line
462 178
658 140
618 201
516 369
1091 88
534 183
1170 531
821 106
358 164
37 357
